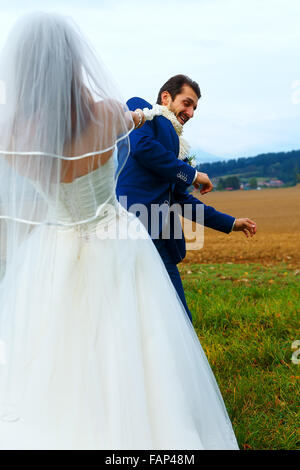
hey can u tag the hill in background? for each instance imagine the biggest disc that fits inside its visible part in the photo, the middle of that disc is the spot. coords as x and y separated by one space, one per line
281 166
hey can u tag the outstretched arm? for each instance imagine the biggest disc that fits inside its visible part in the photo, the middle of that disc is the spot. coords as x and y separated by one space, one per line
213 218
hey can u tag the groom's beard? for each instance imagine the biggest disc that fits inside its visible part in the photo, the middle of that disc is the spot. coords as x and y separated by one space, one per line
181 117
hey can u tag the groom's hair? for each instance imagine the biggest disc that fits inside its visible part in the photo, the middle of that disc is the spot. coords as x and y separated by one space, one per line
174 86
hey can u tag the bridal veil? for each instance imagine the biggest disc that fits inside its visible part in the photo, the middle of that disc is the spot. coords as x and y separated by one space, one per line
61 117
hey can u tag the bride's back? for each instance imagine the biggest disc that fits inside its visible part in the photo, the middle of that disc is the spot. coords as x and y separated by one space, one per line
86 142
62 116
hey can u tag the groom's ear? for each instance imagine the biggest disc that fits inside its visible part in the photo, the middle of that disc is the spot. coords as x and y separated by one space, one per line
165 98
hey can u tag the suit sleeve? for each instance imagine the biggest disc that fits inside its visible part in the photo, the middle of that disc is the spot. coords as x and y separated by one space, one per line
151 154
212 218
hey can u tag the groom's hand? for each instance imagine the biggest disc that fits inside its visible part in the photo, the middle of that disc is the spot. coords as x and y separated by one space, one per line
203 179
245 225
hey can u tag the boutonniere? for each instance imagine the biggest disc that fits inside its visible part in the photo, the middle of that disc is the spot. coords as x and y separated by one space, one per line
191 160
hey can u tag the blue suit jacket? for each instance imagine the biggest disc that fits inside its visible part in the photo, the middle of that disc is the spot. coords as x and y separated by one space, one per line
154 175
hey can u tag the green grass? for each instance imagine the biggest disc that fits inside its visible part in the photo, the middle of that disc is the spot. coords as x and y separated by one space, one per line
247 317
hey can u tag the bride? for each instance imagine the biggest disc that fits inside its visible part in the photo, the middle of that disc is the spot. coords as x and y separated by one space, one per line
98 352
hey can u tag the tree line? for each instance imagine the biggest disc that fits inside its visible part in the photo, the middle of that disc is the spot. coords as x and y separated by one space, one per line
282 165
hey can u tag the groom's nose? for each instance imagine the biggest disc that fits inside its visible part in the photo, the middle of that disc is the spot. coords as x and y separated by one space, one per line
190 112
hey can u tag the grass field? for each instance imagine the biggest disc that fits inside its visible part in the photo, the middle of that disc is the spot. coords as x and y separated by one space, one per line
245 299
277 214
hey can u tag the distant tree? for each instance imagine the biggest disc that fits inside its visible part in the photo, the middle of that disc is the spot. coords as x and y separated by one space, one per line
253 183
232 182
221 184
296 175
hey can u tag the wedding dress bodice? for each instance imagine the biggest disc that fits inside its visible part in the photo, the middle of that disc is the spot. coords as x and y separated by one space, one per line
89 199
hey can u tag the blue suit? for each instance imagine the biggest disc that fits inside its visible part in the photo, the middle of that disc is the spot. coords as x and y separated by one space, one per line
153 175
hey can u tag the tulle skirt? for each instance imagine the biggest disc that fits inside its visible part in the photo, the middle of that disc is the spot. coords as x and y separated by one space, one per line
99 351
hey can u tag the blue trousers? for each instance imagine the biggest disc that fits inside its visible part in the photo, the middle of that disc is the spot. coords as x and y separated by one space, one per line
172 271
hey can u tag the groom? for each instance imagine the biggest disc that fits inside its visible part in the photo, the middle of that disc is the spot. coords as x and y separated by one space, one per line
154 176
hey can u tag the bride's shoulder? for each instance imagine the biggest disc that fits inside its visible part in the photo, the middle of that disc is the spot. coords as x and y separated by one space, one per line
106 107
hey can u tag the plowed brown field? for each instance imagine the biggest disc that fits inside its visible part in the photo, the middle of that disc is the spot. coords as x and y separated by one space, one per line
277 214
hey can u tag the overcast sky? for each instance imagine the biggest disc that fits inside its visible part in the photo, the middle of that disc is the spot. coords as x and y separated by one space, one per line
243 53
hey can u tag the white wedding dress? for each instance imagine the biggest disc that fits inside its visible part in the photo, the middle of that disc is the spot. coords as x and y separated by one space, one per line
110 360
